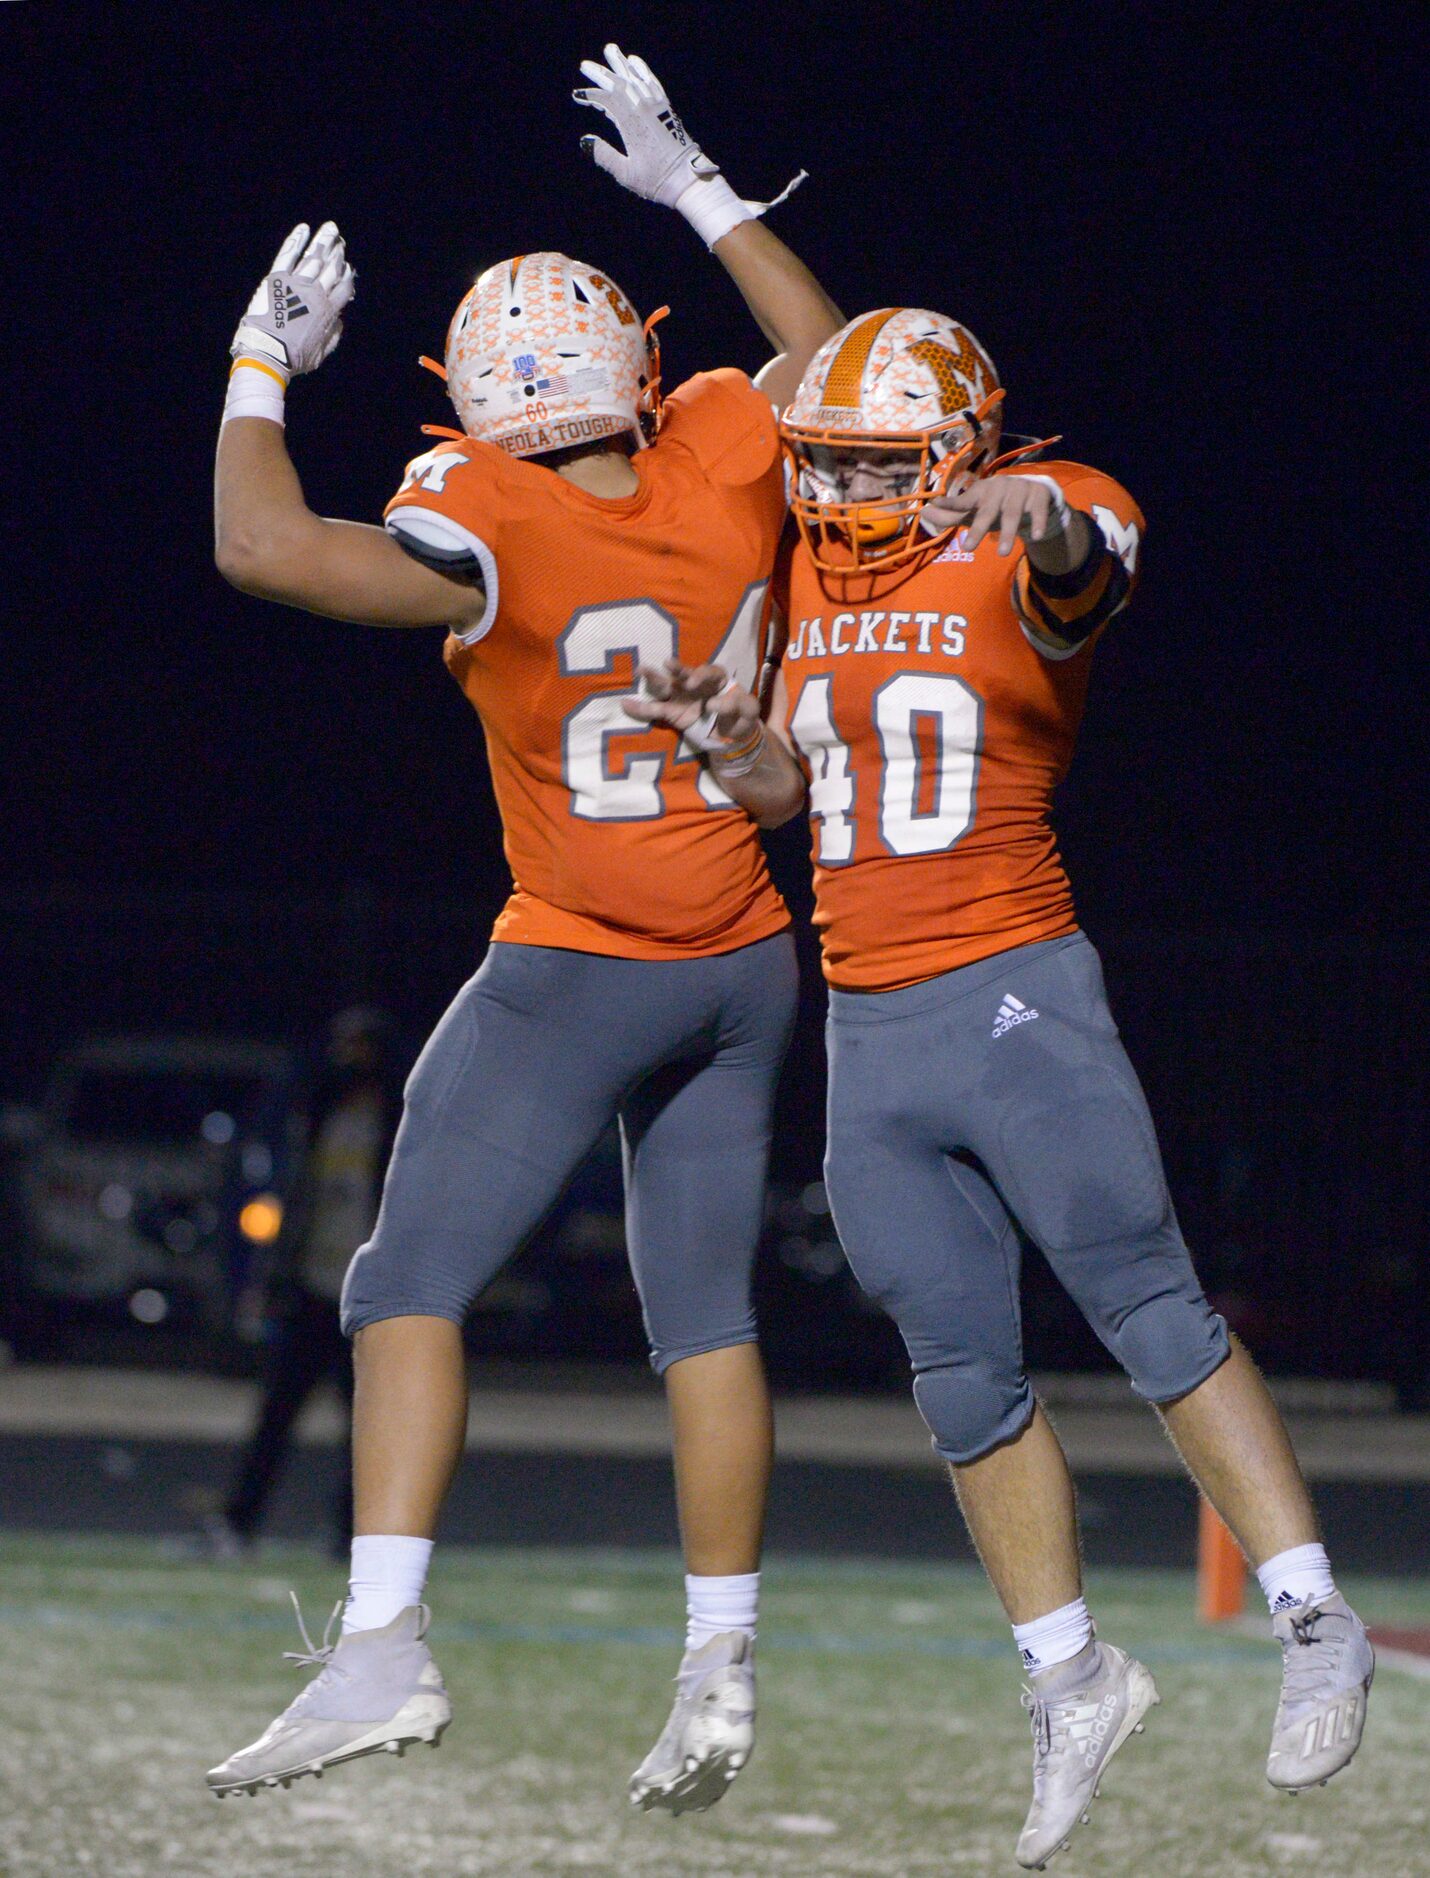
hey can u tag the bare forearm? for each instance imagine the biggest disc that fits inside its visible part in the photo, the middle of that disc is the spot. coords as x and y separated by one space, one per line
260 513
1062 552
790 307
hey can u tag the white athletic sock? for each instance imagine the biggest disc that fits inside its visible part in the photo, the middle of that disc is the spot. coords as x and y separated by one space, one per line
1295 1577
1055 1638
716 1604
389 1573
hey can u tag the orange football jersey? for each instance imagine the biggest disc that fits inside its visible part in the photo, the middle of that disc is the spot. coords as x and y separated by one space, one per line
618 838
935 729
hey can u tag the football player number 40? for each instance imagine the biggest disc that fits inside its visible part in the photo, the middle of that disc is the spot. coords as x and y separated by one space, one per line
625 785
930 732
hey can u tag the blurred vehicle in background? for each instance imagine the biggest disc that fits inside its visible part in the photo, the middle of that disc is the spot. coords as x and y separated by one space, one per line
146 1192
152 1177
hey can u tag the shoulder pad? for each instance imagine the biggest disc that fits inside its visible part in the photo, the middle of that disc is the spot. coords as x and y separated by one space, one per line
442 543
726 423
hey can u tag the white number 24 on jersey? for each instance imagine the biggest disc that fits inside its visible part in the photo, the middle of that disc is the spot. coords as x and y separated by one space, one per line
629 789
951 716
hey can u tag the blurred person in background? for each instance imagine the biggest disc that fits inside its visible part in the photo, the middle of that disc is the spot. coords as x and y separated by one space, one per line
351 1119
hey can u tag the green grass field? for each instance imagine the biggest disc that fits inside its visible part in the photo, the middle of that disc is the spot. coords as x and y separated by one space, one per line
891 1740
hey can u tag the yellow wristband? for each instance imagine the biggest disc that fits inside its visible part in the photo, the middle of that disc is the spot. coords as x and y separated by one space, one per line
259 366
739 759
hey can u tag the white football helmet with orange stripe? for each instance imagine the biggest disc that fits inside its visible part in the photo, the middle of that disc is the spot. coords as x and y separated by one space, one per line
911 391
545 352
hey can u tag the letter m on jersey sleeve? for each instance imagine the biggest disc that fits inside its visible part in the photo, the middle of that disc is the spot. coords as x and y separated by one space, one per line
1124 538
431 470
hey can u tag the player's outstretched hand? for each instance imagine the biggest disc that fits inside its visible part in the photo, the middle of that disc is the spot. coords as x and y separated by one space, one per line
294 319
702 702
660 161
1032 507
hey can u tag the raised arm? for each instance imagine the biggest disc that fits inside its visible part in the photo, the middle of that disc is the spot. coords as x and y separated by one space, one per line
661 163
790 307
267 541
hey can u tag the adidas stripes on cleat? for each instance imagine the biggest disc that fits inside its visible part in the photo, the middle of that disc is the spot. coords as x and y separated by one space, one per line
1326 1674
1082 1711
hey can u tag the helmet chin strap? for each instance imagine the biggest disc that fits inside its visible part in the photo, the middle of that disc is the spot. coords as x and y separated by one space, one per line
1030 447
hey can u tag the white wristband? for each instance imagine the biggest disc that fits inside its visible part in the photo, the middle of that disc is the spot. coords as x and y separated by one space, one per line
712 208
254 390
702 734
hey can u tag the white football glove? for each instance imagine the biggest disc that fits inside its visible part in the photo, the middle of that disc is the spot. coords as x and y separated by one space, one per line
294 319
661 162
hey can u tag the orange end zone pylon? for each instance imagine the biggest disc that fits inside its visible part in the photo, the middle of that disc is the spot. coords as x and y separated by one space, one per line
1221 1570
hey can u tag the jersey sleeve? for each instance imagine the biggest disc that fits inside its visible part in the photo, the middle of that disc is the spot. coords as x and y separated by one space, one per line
1074 607
726 423
445 516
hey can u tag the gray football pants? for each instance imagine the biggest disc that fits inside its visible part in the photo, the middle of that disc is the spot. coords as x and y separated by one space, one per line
536 1056
995 1092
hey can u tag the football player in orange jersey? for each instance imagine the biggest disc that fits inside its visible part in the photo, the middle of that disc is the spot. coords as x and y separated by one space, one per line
942 604
577 526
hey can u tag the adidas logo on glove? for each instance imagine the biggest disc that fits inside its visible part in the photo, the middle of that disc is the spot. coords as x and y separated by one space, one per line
1011 1011
287 305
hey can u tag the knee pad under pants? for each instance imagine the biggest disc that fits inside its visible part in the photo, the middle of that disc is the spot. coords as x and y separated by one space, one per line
946 1120
540 1052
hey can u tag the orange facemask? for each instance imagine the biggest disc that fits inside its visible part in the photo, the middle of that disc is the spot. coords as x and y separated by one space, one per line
872 536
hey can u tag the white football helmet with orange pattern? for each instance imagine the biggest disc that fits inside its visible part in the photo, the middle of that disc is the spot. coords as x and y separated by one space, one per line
901 382
545 352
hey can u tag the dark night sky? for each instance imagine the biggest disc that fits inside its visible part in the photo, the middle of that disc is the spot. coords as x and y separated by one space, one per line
1188 246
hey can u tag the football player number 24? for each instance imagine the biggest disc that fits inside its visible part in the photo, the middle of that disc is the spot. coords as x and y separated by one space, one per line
930 733
625 785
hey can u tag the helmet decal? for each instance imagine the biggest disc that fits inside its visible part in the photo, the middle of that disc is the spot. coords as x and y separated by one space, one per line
954 372
844 381
910 387
544 352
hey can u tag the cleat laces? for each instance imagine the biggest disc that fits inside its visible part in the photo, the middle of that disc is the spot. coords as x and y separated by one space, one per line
1044 1752
1052 1744
1313 1658
317 1656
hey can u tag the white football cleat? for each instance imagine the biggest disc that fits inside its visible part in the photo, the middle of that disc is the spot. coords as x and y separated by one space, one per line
375 1691
711 1731
1082 1711
1326 1674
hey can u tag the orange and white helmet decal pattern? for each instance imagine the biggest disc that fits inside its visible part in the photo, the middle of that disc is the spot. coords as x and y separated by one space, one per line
891 372
898 380
545 352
